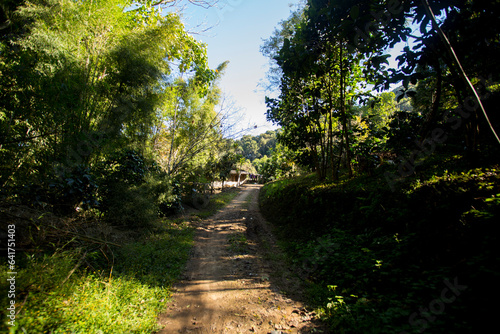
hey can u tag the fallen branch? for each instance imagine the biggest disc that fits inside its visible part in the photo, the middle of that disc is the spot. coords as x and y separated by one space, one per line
74 269
85 237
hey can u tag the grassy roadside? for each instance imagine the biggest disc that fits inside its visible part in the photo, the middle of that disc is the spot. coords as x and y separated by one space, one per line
420 258
217 202
98 287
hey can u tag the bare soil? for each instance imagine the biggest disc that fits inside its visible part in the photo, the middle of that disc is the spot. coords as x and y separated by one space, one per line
236 280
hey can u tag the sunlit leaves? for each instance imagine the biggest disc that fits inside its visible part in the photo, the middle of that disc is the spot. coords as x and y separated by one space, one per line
91 69
189 124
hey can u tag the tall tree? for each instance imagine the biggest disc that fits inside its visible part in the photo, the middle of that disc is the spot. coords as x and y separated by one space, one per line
189 129
373 27
84 78
320 79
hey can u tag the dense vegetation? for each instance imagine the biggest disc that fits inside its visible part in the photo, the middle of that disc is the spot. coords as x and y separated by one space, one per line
394 227
377 260
109 118
263 155
111 121
84 277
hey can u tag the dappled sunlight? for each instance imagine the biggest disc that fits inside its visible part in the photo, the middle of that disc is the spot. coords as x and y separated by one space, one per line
229 283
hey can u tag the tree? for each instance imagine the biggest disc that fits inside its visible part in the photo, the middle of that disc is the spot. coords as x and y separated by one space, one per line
279 164
272 46
333 48
320 80
227 161
460 36
249 147
84 79
189 130
266 142
371 129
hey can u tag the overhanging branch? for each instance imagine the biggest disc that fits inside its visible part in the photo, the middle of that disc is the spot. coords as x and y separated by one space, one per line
461 71
170 3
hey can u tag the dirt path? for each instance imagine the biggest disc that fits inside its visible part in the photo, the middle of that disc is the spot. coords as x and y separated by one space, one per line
234 281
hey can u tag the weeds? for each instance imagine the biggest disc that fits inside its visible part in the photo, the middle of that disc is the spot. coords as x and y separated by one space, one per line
87 285
238 243
371 257
124 298
217 202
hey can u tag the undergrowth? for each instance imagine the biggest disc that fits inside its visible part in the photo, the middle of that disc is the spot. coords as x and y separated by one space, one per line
122 296
79 285
217 202
421 258
238 243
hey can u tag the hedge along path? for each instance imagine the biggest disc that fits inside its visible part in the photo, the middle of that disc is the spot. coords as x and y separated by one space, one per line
233 281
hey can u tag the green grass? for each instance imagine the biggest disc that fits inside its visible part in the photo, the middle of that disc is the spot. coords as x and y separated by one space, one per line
238 243
93 288
125 297
217 202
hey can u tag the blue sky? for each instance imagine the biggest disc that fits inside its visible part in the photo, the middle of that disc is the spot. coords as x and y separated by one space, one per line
238 28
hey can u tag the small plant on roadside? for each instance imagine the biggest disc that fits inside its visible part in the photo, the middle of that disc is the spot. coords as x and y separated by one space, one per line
238 243
217 202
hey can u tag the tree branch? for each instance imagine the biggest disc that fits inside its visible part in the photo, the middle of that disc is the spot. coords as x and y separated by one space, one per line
28 138
461 71
171 3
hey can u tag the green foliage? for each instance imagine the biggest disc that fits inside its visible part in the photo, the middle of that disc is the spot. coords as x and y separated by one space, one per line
403 131
225 164
127 167
256 147
134 192
373 257
189 135
280 164
75 89
130 205
238 243
95 288
249 147
329 52
320 79
125 300
62 193
78 94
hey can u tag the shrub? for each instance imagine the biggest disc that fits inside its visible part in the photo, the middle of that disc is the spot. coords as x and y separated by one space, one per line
62 193
130 205
373 257
134 192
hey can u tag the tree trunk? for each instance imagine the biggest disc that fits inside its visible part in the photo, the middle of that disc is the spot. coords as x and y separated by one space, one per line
343 112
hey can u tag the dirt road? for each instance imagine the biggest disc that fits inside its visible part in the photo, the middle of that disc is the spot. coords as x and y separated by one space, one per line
235 281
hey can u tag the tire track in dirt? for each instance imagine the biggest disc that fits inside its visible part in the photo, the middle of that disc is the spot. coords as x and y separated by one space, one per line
232 290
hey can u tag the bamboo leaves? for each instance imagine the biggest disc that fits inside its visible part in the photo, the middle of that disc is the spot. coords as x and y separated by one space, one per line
88 69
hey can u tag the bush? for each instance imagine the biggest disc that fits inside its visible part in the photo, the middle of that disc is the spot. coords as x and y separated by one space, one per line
134 192
373 257
130 205
62 193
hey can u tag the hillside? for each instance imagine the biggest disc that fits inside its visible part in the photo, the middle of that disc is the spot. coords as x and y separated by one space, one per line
420 257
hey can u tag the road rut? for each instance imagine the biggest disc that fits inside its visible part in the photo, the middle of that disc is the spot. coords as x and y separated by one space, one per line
234 281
